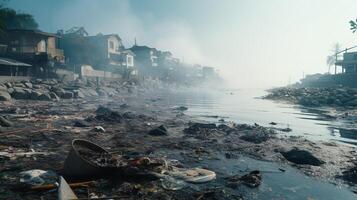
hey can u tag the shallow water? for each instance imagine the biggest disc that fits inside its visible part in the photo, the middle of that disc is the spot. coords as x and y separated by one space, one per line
245 106
288 183
242 106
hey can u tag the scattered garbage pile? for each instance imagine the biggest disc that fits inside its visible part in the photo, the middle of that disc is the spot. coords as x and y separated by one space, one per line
316 97
250 133
88 162
253 179
119 151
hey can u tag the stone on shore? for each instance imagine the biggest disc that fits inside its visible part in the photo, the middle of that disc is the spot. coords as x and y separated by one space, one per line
5 122
159 131
301 157
5 96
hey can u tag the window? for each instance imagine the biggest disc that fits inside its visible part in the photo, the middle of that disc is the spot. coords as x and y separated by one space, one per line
14 42
355 57
130 61
111 45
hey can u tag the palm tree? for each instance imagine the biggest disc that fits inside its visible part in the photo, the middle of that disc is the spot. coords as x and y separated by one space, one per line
331 59
353 24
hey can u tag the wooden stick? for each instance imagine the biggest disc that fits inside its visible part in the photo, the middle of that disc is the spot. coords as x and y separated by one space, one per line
102 198
53 186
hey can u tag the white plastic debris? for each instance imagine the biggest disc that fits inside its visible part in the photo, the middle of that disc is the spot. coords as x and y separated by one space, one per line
99 129
37 177
194 175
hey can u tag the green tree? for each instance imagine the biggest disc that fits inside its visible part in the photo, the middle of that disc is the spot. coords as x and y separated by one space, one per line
353 25
78 50
10 19
331 59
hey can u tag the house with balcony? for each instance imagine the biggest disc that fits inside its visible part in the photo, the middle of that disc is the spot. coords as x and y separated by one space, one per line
146 60
37 48
348 63
101 52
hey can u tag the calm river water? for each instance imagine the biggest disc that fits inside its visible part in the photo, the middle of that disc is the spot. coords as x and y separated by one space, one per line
243 106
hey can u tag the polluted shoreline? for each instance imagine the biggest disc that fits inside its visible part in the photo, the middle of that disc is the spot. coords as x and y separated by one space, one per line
151 151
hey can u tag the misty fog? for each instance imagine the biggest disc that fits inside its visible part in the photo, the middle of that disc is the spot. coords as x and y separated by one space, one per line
252 43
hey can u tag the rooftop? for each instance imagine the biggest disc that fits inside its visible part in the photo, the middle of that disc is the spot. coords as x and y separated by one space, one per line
11 62
37 32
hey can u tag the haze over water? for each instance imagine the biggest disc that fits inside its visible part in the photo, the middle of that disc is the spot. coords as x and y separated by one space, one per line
246 106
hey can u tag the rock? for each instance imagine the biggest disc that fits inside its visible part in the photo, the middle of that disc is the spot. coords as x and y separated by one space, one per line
101 92
67 95
81 123
54 96
59 91
286 130
44 97
195 127
106 114
5 122
10 90
129 115
350 175
273 123
8 85
301 157
352 102
20 93
28 85
5 96
91 92
180 108
124 105
253 179
3 87
78 94
35 95
99 129
159 131
21 85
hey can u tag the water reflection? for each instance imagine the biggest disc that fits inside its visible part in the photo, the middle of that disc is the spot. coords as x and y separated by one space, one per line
242 106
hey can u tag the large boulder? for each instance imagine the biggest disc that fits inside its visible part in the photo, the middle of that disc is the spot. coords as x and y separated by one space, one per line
35 95
301 157
159 131
28 85
8 85
5 122
59 91
45 97
101 92
20 93
78 94
4 96
352 103
3 87
10 90
54 96
67 95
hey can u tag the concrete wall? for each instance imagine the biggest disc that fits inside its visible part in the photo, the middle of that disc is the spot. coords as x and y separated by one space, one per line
4 79
346 79
88 71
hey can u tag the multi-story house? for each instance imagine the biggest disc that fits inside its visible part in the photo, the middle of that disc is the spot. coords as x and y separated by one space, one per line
40 49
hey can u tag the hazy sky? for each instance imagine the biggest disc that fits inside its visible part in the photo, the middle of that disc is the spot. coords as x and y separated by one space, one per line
253 43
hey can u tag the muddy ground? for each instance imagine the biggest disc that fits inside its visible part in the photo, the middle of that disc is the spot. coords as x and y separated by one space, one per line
49 127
